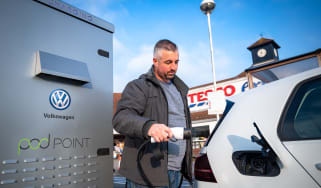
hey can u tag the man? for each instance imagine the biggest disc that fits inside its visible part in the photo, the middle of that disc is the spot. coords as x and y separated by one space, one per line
149 106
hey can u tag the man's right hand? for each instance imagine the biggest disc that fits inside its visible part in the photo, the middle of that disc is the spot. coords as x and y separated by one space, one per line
160 132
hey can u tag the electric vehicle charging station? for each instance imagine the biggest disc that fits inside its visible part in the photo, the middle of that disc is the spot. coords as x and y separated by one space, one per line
56 72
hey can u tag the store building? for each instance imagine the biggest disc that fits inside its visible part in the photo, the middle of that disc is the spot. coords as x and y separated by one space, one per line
266 67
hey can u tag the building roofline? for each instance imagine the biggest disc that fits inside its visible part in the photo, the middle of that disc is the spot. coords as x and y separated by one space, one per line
242 74
261 42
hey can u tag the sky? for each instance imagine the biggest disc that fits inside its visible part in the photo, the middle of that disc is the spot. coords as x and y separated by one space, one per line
236 24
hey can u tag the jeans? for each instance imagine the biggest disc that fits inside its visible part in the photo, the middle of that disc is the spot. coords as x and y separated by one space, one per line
173 176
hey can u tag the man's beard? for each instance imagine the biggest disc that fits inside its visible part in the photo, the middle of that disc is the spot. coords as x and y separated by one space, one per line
170 75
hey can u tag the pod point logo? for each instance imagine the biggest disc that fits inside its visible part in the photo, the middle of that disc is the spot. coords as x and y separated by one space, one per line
53 143
59 99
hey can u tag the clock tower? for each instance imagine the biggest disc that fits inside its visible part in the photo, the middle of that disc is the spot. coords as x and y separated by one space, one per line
264 51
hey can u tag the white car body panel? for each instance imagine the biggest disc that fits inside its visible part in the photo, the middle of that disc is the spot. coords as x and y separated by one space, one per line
234 134
300 149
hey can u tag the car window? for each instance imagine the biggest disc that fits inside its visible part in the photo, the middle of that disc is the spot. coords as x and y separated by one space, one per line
303 118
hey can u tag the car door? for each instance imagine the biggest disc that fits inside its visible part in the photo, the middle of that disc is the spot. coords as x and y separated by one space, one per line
300 126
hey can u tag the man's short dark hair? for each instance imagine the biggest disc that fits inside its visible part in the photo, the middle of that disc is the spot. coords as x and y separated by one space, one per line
164 44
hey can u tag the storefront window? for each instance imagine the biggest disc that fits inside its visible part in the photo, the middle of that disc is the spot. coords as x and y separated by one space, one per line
200 135
283 71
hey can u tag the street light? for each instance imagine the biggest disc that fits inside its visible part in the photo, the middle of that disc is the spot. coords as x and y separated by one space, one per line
207 6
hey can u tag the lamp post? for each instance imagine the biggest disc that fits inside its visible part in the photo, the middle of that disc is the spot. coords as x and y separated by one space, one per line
207 6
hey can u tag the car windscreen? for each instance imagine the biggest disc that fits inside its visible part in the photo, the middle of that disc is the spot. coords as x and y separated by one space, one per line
228 107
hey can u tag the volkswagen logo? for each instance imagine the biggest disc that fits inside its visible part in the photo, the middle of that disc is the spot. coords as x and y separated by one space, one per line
59 99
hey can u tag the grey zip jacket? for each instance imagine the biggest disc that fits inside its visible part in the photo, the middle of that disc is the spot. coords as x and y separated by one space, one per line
142 104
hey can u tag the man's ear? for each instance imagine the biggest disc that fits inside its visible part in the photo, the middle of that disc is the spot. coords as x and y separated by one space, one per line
155 61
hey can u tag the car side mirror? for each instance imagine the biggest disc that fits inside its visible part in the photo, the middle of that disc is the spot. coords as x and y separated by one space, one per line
255 163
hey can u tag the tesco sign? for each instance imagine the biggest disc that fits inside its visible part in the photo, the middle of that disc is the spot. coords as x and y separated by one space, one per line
197 98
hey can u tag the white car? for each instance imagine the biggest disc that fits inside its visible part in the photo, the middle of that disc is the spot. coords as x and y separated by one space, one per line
268 137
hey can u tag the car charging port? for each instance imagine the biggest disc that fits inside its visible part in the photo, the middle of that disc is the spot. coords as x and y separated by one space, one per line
257 163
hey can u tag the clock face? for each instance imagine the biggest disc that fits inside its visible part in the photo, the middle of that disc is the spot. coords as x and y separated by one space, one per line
275 52
261 52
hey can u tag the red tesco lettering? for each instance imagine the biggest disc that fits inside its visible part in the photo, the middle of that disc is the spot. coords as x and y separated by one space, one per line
201 96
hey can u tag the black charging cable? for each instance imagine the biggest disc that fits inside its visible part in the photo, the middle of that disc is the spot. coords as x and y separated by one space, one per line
158 155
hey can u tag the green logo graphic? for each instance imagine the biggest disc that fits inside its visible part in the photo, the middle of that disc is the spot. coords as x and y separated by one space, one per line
33 144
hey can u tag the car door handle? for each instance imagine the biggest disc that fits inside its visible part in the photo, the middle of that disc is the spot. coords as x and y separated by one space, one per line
318 166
